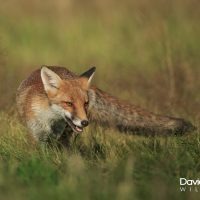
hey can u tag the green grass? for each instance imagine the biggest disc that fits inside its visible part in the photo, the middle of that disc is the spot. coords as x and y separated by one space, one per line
97 165
146 52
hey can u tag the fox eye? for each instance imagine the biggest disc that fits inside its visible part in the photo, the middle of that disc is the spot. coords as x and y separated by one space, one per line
68 103
86 103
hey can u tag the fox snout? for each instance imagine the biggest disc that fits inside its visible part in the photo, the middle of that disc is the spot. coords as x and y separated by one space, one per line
81 123
76 124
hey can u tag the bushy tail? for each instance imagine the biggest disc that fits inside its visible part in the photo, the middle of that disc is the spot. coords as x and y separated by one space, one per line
109 111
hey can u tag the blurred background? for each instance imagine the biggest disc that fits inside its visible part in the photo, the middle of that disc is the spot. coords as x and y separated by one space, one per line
147 52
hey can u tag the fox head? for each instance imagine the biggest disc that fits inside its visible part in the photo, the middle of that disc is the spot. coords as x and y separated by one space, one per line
68 97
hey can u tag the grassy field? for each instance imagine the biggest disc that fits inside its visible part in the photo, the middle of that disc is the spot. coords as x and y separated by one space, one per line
147 52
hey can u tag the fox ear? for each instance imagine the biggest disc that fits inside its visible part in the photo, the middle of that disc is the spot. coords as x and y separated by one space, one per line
51 80
88 75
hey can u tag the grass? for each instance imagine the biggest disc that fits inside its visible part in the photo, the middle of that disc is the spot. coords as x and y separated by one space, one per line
146 52
100 165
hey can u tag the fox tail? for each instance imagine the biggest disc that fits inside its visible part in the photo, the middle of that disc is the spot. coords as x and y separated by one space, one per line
109 111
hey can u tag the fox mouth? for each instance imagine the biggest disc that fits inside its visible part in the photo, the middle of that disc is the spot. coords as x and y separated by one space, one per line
74 127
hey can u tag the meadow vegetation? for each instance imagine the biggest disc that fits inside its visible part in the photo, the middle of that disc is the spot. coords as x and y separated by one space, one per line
146 52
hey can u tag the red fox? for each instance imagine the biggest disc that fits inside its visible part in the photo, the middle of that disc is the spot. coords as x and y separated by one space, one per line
54 102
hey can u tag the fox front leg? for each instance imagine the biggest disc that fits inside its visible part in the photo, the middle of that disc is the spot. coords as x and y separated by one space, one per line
66 136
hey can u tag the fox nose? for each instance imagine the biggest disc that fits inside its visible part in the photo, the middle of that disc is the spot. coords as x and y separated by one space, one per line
84 123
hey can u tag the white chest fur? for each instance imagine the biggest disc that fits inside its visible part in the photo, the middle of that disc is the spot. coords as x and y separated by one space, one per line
47 121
